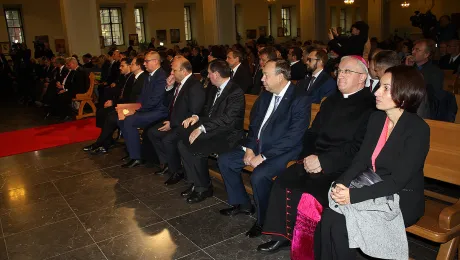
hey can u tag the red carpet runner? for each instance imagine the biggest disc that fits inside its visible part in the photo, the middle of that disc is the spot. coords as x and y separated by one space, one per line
43 137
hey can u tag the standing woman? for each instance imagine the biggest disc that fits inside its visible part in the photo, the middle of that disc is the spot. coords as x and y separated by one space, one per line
395 147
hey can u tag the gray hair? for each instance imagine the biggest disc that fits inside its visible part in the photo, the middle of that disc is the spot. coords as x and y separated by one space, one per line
283 67
71 59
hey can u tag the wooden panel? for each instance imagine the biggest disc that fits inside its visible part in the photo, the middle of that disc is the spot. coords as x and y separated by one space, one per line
250 99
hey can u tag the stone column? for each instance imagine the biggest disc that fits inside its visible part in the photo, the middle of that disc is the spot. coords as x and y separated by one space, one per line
375 18
308 30
219 21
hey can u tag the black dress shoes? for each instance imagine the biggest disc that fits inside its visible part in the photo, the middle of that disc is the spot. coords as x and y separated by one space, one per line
235 210
196 197
163 169
89 148
132 163
274 246
188 192
175 178
255 231
98 150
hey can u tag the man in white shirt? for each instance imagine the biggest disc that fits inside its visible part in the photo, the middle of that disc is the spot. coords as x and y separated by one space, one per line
240 73
298 69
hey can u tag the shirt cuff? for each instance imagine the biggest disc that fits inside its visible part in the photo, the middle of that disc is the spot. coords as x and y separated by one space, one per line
202 129
197 117
263 157
168 88
243 148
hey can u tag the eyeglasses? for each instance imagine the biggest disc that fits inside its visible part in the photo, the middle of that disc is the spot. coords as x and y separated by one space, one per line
347 72
310 59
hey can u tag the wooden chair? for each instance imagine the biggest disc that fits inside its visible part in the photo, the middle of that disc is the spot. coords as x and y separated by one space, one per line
86 98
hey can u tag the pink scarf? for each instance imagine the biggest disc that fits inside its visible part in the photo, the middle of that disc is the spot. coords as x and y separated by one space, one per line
380 143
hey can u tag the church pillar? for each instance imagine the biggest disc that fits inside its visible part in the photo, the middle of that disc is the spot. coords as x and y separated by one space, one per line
219 21
312 16
375 18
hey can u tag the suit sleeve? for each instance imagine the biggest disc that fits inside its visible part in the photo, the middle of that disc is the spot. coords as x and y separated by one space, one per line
329 88
197 98
293 137
251 139
411 160
234 108
155 95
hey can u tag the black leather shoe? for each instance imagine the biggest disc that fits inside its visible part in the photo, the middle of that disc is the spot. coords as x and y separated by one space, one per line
89 148
196 197
98 150
163 169
255 231
132 163
274 246
175 178
235 210
186 193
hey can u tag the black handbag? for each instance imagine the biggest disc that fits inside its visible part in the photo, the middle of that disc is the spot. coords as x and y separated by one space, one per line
366 178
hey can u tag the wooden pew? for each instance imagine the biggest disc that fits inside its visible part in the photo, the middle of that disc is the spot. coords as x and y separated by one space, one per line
86 98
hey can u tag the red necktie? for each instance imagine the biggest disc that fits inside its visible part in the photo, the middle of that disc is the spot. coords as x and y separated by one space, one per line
175 96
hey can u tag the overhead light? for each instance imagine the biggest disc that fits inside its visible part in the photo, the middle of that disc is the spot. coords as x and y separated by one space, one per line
349 2
405 4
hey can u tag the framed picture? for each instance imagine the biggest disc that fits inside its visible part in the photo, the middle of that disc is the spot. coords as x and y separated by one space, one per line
5 47
175 35
280 32
134 39
101 42
60 45
298 32
161 35
262 31
251 34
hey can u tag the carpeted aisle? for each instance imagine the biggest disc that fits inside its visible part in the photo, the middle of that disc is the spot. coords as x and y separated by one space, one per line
38 138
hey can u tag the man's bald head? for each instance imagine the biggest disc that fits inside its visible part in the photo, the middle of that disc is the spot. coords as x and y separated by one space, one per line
180 68
152 61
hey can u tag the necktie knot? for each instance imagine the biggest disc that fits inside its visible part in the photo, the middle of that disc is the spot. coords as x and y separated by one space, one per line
277 101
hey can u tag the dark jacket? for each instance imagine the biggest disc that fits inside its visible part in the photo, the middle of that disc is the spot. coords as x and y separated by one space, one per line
353 45
444 63
323 86
298 71
400 164
77 82
153 93
243 77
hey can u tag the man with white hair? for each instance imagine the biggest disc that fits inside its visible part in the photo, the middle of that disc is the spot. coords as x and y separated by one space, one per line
328 149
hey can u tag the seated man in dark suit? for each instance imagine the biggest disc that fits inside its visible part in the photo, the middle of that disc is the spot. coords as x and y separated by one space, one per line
218 129
451 60
58 76
329 147
381 62
278 122
76 82
152 108
240 72
188 100
265 54
128 91
298 69
196 60
319 84
109 74
87 64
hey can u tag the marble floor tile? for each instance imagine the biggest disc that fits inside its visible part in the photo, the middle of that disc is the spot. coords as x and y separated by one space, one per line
27 195
48 241
150 185
206 227
170 204
121 219
124 174
3 252
88 201
91 252
72 169
159 241
200 255
29 178
35 215
87 182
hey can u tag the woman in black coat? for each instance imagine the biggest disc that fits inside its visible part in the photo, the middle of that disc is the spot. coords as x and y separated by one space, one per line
399 163
353 45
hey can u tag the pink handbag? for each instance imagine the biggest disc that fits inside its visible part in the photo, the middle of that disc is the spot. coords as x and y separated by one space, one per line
308 216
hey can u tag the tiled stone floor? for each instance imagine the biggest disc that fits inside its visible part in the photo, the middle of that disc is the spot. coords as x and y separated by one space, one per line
62 203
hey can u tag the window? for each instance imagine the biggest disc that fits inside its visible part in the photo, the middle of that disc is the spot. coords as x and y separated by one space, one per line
343 19
14 25
188 23
269 20
112 26
286 20
139 18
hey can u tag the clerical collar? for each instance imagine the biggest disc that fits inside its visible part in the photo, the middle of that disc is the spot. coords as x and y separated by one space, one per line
236 68
347 95
185 79
292 63
153 72
138 74
317 74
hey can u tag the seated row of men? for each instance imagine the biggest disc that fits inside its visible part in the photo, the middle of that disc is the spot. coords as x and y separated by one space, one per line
186 122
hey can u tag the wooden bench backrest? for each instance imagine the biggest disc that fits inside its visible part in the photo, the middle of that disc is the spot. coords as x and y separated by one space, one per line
443 160
457 118
451 81
92 82
250 100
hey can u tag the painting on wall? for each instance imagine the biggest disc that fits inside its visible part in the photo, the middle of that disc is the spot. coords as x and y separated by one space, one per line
5 47
60 45
251 34
161 35
262 31
134 39
101 42
175 35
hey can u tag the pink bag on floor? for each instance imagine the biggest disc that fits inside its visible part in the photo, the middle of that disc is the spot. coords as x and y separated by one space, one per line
308 215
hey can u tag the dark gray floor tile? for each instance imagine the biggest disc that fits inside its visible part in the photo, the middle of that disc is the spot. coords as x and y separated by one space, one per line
48 241
3 252
35 215
27 195
206 227
170 204
86 253
124 174
200 255
147 186
118 220
159 241
88 182
71 169
88 201
15 181
17 164
242 247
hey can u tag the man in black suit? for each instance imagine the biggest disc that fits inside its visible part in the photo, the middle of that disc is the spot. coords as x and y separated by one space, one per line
319 84
58 75
298 69
451 60
279 120
76 82
188 100
240 73
217 130
265 54
129 93
87 64
109 73
196 60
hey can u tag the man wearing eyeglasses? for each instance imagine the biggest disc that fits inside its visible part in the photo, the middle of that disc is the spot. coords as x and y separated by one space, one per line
152 108
318 84
329 147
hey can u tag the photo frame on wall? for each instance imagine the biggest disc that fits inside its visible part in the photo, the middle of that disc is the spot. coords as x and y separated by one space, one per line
6 47
60 45
175 35
161 36
251 34
134 39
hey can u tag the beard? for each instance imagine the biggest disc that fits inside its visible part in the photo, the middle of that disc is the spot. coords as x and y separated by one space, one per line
310 69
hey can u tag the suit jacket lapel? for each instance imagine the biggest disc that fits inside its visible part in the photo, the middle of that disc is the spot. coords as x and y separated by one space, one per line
284 103
223 95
